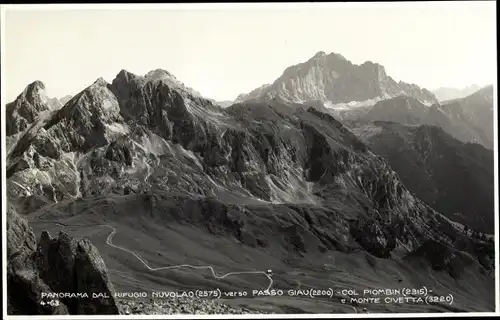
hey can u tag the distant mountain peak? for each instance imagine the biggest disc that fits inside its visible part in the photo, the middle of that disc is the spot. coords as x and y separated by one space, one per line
333 79
26 108
37 84
124 74
35 91
319 55
487 88
100 82
324 58
448 93
158 74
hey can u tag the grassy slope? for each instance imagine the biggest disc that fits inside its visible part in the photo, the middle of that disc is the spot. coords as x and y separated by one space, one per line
162 243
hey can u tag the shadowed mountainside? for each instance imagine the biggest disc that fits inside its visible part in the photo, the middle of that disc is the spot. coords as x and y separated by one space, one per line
274 177
455 178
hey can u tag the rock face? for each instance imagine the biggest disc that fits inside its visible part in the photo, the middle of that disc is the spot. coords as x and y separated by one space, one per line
24 283
333 79
455 178
26 108
53 266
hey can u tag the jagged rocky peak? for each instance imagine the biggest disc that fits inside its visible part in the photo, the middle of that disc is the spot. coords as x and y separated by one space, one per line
123 78
35 92
319 54
158 74
172 81
26 108
52 266
87 120
322 56
319 57
100 82
333 79
125 75
378 69
97 101
80 268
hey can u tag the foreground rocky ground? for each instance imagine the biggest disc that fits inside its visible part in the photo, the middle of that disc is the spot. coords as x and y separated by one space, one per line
179 306
38 271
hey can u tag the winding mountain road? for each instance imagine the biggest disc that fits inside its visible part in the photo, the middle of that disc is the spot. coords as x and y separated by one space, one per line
109 241
145 263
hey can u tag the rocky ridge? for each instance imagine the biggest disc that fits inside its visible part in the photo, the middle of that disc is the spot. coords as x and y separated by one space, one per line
53 266
231 172
333 79
26 108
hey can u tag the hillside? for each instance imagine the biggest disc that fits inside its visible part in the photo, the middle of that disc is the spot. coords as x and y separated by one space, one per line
453 177
159 177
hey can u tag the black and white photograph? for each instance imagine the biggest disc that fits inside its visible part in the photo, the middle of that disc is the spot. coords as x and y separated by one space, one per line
251 160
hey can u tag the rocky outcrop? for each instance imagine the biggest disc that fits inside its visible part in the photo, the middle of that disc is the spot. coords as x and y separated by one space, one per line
91 276
25 287
333 79
26 108
65 265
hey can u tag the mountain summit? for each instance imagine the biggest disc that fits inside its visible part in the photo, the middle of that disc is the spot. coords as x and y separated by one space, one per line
333 79
26 108
259 185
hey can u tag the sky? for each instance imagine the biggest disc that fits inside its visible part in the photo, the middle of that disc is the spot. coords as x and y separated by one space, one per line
224 51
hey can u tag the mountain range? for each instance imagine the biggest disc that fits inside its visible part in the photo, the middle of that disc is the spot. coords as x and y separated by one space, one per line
467 119
447 93
334 85
455 178
275 181
334 80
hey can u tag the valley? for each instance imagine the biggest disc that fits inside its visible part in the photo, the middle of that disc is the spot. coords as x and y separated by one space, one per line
180 194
